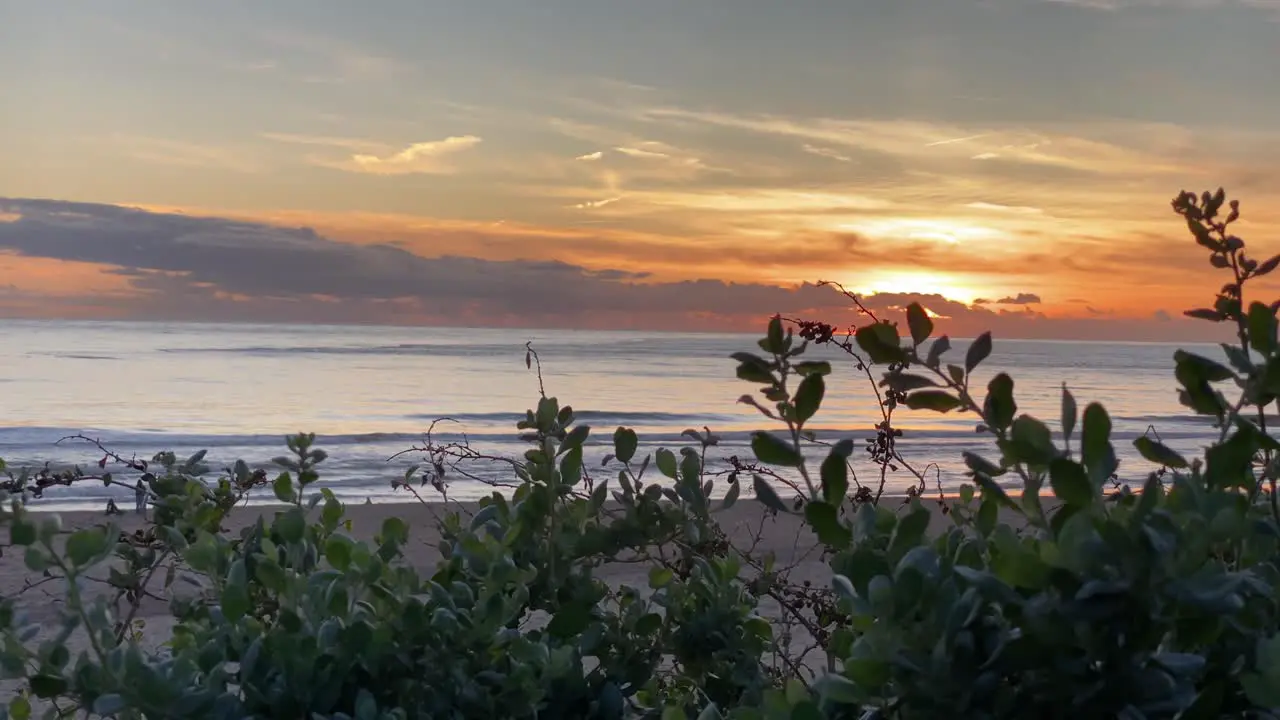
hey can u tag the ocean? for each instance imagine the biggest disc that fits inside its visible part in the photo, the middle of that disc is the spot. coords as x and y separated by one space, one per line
371 392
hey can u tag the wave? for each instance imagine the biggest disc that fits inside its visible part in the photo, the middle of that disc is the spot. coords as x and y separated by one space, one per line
45 440
591 417
672 348
80 356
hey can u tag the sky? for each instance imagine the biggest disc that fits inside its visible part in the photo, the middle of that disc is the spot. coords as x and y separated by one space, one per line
667 164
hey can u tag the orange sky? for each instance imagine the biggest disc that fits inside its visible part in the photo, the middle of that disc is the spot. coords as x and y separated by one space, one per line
874 149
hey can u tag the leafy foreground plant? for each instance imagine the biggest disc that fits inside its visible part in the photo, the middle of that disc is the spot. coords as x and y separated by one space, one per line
1100 601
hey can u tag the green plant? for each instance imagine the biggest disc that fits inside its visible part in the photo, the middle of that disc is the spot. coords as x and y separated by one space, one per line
1158 603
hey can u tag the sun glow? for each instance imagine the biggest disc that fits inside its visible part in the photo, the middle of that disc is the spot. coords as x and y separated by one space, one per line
920 282
937 230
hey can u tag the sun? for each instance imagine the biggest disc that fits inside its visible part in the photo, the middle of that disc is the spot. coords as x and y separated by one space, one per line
918 282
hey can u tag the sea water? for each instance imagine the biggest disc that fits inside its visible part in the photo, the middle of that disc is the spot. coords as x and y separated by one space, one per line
371 392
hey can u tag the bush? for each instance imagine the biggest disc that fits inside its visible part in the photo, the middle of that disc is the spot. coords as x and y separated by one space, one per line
1097 600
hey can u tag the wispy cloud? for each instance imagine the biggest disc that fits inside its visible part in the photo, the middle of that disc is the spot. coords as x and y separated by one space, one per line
825 152
996 207
593 204
933 141
430 158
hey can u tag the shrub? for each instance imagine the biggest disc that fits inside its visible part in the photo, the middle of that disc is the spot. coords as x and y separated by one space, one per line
1097 600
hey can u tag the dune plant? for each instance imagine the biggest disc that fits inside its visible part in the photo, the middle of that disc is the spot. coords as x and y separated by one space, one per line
1080 595
1101 600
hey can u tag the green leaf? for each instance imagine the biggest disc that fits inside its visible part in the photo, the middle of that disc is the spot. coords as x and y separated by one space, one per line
1262 691
671 712
1020 567
919 322
754 368
1031 442
269 573
48 686
331 513
991 489
808 397
773 450
835 472
907 382
20 708
1068 412
666 462
625 443
825 521
880 341
291 525
1228 464
283 487
599 495
937 350
999 408
773 342
574 439
1159 453
979 464
767 495
731 496
571 466
1070 482
1201 368
86 545
22 531
839 690
812 367
1096 450
935 400
1262 328
235 595
978 351
337 550
660 577
909 532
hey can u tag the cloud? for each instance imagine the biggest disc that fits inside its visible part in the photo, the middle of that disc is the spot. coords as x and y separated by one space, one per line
589 157
593 204
1019 299
421 157
825 152
995 207
174 266
920 141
